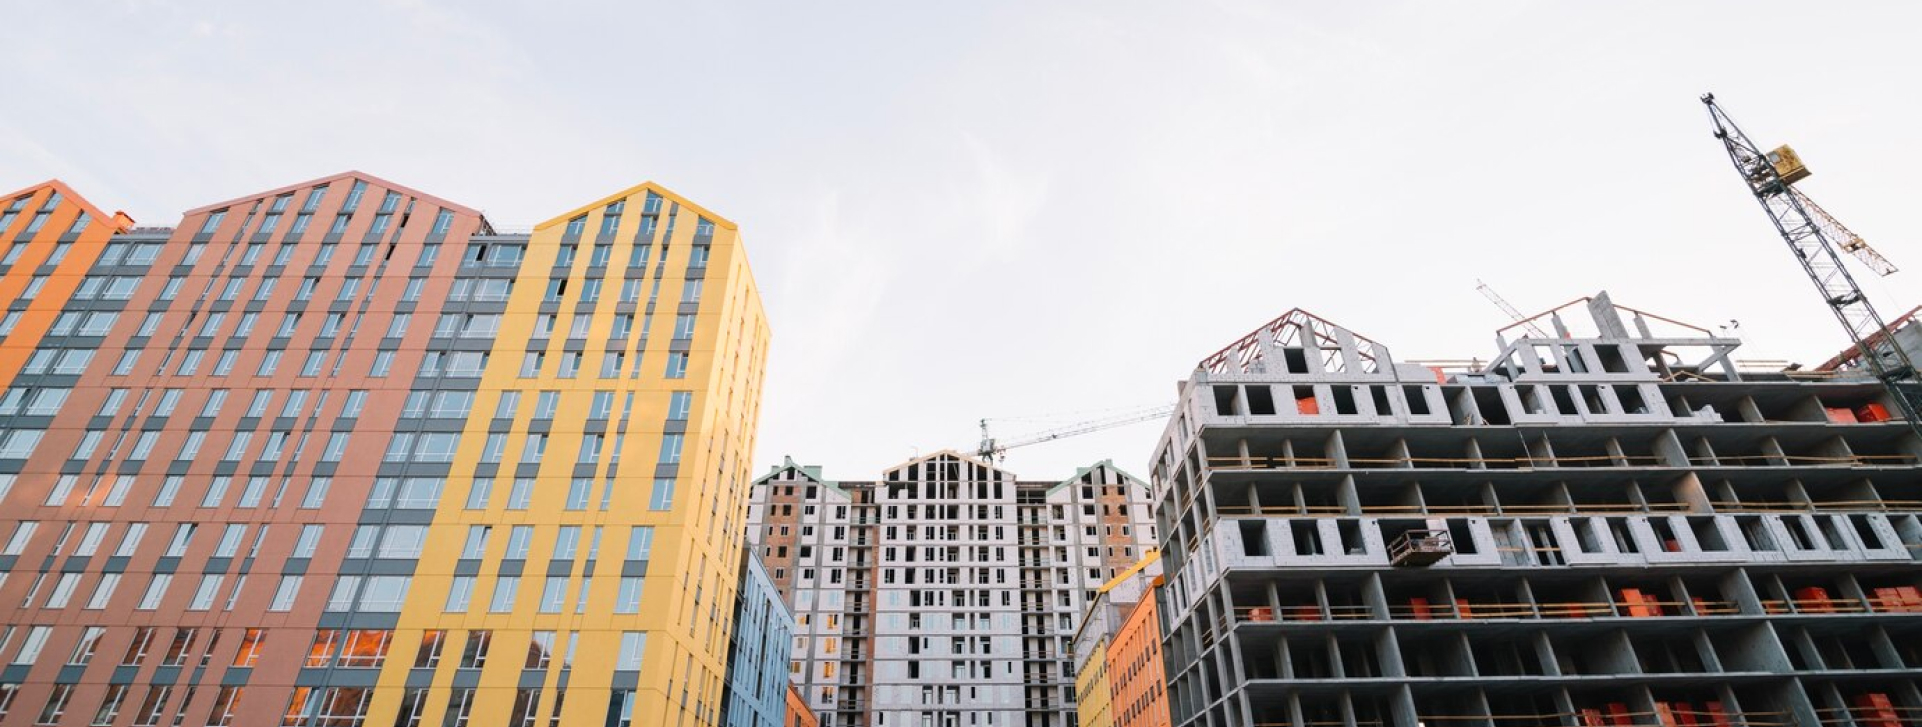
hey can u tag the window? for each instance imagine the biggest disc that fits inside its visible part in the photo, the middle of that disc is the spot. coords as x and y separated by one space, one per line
476 545
679 405
633 646
474 654
662 498
671 448
553 594
288 591
504 591
677 365
309 540
203 597
640 542
213 222
459 594
478 493
627 597
519 537
520 494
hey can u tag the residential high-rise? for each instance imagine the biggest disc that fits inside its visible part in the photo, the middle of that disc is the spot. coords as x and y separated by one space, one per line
943 594
338 453
757 663
1610 523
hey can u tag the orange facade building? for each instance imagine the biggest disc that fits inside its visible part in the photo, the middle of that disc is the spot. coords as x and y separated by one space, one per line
798 714
1135 674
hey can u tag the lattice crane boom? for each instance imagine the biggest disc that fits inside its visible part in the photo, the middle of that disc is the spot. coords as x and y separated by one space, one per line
1850 242
1514 316
992 449
1768 176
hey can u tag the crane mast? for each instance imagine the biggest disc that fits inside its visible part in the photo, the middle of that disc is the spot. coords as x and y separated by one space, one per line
1768 176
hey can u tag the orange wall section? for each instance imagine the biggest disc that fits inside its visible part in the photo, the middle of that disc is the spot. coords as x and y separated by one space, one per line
1135 668
62 277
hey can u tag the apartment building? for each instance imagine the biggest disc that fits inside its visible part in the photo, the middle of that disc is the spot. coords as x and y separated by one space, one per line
944 593
757 664
339 453
1608 523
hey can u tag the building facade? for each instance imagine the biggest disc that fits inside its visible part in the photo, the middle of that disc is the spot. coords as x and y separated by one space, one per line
1117 652
337 453
757 664
945 593
1609 524
798 713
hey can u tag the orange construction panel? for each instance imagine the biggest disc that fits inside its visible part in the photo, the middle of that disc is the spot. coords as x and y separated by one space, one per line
1872 413
1307 405
1420 607
1813 599
1874 709
1841 415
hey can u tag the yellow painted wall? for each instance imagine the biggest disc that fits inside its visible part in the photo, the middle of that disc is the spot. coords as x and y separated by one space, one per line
1092 691
697 544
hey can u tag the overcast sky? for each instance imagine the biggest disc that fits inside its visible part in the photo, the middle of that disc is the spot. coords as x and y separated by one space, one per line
1031 210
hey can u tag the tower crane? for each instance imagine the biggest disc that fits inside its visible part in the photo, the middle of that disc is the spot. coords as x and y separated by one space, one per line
1514 316
992 449
1808 232
1850 242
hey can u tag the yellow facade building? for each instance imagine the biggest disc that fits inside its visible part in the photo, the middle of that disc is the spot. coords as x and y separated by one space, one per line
588 538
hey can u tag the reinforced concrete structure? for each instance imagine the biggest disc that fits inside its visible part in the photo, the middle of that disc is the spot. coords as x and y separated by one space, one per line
1609 524
339 454
757 664
943 594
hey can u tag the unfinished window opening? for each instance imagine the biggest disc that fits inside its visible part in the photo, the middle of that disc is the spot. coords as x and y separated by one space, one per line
1592 396
1665 534
1488 402
1254 538
1351 540
1380 394
1261 402
1531 399
1756 533
1309 657
1564 401
1631 398
1624 540
1611 356
1225 401
1459 536
1576 364
1546 355
1830 532
1799 533
1358 660
1296 360
1307 540
1344 399
1585 539
1417 400
1865 531
1707 535
1305 400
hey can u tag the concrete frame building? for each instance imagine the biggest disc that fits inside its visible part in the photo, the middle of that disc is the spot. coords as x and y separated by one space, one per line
757 664
945 593
339 454
1610 524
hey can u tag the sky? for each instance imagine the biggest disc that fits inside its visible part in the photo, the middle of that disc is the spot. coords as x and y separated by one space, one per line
1034 212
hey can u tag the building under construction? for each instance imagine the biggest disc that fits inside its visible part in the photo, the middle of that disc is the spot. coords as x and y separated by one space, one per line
944 594
1610 524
